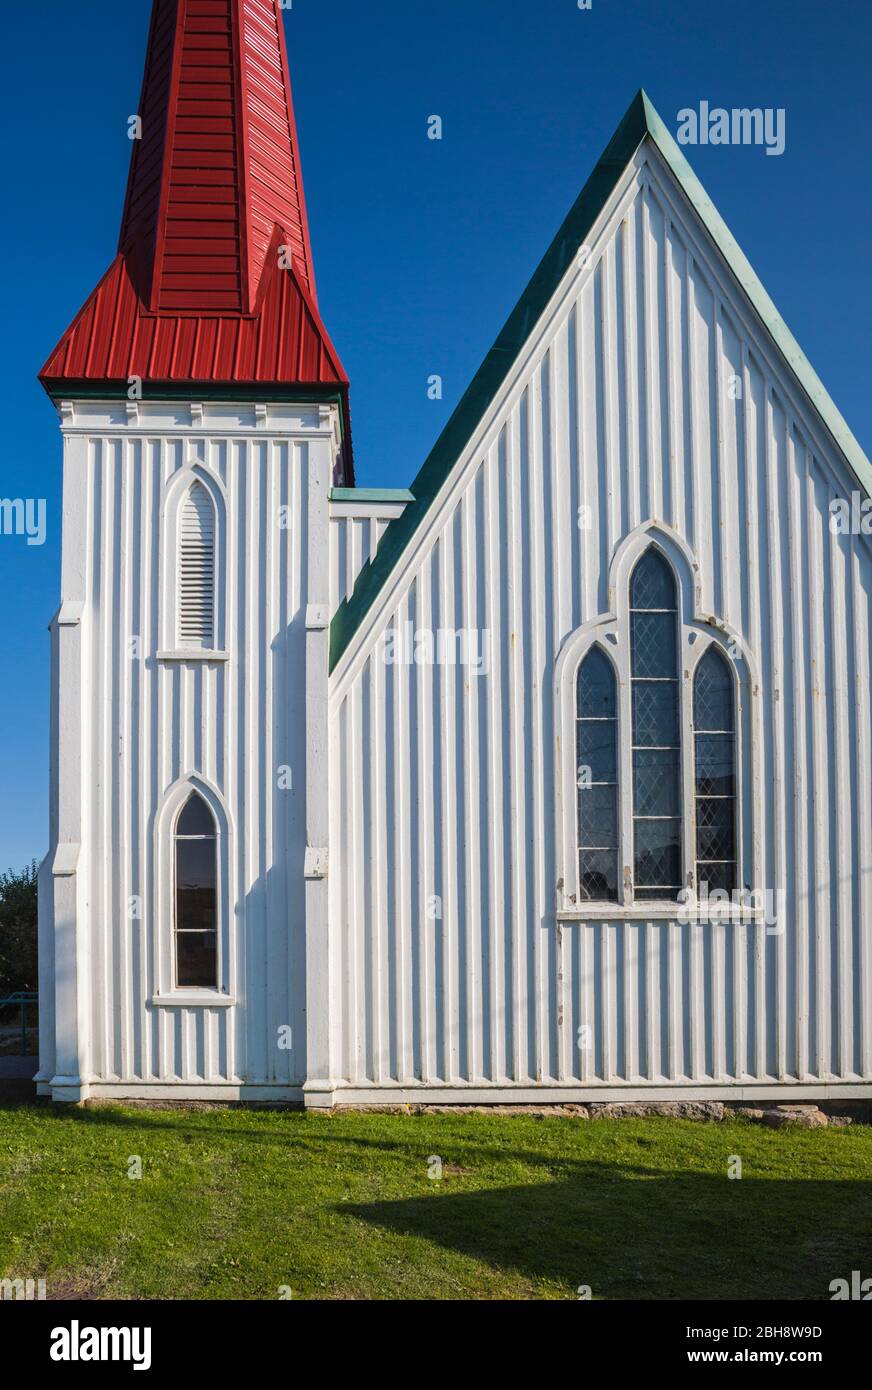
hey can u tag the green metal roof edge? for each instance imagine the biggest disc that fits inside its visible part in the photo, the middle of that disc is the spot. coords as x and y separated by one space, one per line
641 119
371 494
191 391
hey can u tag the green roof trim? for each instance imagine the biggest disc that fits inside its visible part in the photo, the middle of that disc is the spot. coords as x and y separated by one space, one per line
641 120
371 494
194 391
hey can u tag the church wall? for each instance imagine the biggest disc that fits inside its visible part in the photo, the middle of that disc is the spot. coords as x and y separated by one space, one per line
235 723
452 969
355 531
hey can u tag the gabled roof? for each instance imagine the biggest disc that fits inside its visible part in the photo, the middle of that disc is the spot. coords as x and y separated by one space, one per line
641 121
213 282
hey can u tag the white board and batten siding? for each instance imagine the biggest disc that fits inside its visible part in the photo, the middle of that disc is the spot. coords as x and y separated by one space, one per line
357 525
159 700
395 842
443 782
196 603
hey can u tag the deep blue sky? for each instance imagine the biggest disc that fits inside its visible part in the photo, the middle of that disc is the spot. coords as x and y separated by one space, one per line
421 248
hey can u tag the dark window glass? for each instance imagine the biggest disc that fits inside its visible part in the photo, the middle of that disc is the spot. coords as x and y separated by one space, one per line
658 857
715 773
196 934
598 875
713 695
595 746
196 818
596 687
656 733
655 781
597 764
653 584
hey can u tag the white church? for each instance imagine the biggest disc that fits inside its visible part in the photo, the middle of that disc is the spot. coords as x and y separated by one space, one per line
547 780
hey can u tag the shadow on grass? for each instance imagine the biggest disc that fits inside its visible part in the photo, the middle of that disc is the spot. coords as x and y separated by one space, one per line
305 1136
627 1229
651 1236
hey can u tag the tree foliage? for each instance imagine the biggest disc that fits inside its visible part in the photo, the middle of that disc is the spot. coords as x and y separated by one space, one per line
18 931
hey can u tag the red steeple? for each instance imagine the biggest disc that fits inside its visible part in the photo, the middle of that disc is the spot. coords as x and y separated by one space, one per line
218 161
213 282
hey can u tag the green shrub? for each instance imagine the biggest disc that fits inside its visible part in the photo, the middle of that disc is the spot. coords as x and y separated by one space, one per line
18 931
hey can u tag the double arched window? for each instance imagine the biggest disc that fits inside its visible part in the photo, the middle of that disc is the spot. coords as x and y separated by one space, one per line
656 754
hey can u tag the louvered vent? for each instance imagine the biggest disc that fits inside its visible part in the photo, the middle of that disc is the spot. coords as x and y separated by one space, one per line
197 570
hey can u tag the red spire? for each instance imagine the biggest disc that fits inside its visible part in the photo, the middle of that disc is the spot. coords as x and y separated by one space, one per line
217 167
213 281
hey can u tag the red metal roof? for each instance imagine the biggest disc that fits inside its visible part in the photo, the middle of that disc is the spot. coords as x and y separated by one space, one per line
213 282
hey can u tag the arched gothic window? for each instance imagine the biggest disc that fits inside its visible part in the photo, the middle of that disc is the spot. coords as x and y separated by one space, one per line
656 729
658 752
714 725
196 897
597 756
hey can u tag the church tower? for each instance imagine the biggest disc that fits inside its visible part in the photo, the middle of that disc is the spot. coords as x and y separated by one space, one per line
204 414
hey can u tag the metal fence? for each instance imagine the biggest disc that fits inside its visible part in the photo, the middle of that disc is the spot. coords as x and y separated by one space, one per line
17 1035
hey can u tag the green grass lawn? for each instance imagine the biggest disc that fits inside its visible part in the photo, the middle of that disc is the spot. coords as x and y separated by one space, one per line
237 1203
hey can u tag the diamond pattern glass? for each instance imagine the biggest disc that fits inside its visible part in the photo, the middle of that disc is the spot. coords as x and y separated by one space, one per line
596 753
715 765
595 749
715 877
657 859
653 584
655 781
715 773
596 697
598 875
714 828
713 695
597 818
656 738
655 714
653 645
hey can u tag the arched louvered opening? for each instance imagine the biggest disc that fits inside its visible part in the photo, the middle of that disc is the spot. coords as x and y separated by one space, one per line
714 729
597 777
196 897
196 598
656 729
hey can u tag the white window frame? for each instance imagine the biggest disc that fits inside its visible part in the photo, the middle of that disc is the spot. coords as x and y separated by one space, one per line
176 491
163 915
611 631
